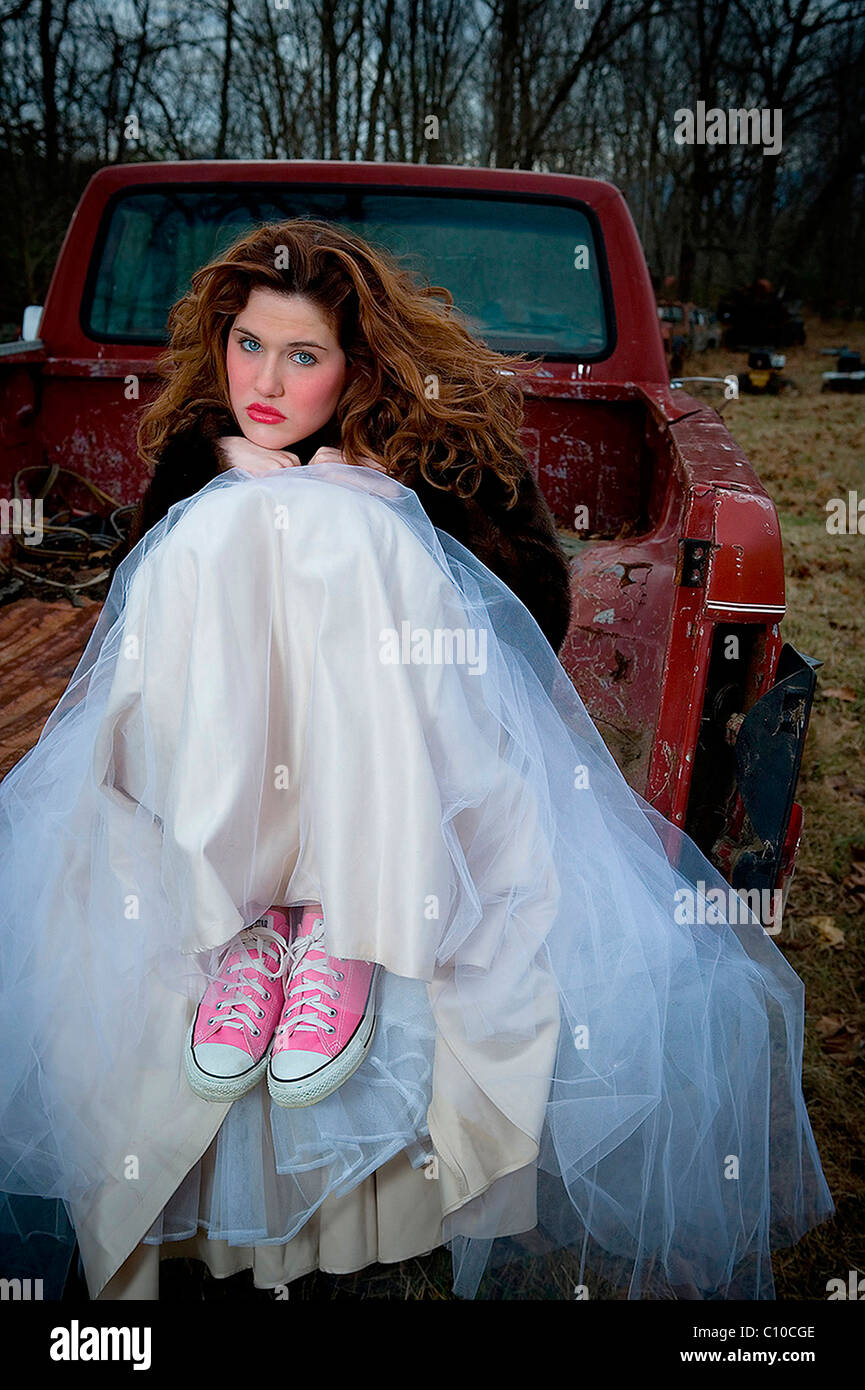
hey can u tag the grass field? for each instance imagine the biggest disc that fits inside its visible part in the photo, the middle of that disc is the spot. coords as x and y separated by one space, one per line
807 449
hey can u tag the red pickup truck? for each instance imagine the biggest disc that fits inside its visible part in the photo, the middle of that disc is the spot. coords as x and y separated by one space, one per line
678 577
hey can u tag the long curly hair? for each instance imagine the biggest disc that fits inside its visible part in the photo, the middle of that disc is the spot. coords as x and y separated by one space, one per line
424 393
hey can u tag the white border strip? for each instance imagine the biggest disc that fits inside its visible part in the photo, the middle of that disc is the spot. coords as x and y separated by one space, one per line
749 607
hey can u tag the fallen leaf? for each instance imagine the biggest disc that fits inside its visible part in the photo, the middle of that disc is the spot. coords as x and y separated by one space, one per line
842 1038
850 1053
832 935
828 1024
855 880
839 692
806 871
840 783
854 883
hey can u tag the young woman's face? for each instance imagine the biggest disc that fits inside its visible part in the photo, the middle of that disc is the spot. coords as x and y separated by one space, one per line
286 369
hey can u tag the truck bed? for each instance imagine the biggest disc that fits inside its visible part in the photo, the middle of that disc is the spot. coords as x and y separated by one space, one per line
40 646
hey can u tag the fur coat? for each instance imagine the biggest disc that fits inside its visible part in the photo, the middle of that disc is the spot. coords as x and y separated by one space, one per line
519 545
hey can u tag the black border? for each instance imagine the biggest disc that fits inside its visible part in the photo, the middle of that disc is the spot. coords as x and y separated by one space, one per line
410 190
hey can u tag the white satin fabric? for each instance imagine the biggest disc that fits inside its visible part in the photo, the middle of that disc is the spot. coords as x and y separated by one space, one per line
238 734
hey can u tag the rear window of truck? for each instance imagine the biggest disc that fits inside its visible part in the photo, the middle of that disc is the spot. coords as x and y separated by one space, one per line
528 274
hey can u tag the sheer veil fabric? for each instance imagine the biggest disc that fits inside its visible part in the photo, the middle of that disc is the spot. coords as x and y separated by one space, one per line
299 690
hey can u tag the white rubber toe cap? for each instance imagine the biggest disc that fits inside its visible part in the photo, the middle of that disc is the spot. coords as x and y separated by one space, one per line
294 1066
221 1059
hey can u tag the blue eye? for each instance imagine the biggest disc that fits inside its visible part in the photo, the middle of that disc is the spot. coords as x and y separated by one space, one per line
311 362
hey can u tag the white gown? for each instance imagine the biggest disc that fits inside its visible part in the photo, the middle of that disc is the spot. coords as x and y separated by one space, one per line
299 690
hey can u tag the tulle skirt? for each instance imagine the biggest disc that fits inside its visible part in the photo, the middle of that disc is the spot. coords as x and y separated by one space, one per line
298 690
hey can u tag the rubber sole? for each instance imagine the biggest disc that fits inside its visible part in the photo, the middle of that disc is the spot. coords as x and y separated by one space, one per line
308 1090
220 1088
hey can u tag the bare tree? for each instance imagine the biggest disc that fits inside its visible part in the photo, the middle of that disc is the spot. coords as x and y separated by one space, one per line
537 84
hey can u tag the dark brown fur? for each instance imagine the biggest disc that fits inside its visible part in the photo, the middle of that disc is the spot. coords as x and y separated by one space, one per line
519 544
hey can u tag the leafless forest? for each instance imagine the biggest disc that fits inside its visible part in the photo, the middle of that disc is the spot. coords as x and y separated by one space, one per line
581 86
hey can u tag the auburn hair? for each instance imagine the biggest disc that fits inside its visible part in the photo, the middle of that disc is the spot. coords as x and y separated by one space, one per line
423 393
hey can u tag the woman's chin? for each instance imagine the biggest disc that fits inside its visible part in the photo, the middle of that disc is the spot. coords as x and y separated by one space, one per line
269 436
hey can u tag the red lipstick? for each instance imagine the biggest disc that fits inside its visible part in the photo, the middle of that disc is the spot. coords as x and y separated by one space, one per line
264 414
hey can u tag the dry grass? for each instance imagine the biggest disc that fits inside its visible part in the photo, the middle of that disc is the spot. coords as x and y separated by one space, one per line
806 450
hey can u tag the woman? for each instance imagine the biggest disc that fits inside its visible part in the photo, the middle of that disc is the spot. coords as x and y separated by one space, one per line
309 730
396 406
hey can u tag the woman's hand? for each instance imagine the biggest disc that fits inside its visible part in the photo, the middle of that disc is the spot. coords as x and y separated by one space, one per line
391 488
236 451
329 455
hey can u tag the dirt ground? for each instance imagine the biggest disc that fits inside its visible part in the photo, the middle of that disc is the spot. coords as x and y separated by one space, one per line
807 449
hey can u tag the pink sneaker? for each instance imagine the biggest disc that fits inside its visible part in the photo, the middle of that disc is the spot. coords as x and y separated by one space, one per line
229 1037
328 1021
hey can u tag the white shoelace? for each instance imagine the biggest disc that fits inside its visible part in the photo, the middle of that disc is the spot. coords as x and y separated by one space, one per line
309 1022
258 936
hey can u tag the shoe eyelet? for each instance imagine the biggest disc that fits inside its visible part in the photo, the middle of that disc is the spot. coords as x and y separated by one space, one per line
332 1013
256 1032
339 975
267 994
331 1030
260 1013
